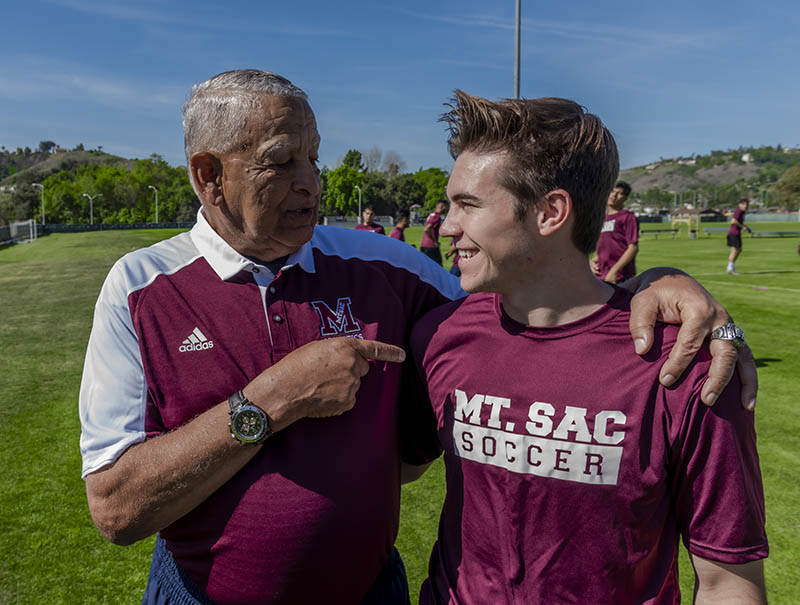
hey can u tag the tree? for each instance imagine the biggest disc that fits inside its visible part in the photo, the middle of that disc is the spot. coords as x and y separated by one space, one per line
372 158
434 180
352 159
392 164
46 146
787 189
340 193
405 191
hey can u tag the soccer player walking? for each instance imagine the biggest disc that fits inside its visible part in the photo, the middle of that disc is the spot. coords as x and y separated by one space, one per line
735 234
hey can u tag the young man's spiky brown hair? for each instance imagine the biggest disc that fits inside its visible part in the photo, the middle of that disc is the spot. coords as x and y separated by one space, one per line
550 143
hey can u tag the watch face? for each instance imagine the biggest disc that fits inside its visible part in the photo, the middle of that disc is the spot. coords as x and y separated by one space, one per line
248 424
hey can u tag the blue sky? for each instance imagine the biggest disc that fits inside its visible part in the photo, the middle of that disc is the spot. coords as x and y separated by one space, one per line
668 78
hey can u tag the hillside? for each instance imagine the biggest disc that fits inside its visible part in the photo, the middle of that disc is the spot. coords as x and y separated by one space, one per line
747 167
37 166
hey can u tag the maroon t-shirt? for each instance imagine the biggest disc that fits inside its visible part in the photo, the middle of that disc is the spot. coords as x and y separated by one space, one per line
571 472
430 238
183 324
735 229
397 233
619 231
374 227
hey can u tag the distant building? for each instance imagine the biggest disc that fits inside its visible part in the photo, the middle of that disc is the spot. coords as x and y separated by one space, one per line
60 150
747 158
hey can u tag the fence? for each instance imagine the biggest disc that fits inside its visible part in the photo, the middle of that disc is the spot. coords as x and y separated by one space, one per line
61 228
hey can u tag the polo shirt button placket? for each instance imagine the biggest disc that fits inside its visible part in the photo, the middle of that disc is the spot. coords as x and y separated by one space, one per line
272 290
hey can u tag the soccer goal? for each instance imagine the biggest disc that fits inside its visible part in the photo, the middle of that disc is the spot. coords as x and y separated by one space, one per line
22 231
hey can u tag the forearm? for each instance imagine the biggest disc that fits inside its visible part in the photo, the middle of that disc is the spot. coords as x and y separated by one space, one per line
720 583
627 257
160 480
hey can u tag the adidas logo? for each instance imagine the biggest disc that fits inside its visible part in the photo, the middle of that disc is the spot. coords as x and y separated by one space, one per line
197 341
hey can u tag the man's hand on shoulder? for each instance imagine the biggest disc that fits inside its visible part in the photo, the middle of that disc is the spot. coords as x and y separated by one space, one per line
671 296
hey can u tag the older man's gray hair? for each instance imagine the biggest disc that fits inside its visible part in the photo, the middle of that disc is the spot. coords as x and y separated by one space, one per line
216 113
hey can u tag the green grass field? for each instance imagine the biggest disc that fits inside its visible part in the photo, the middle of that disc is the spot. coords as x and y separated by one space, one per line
49 549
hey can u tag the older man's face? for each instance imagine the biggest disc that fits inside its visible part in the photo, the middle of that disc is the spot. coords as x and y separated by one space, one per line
272 188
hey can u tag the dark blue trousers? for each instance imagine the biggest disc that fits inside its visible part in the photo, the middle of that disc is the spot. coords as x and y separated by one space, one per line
168 584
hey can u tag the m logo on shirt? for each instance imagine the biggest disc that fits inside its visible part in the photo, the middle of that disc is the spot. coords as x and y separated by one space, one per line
341 322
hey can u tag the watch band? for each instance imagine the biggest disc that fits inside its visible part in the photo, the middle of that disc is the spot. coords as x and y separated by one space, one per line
237 400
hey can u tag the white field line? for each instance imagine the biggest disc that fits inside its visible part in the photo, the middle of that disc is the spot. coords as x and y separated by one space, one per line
739 284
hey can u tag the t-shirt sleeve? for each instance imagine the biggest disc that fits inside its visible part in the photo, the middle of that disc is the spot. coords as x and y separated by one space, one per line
113 392
717 487
419 420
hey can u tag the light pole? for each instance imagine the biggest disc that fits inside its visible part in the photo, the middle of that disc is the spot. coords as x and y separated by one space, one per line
359 204
91 206
517 29
41 188
156 192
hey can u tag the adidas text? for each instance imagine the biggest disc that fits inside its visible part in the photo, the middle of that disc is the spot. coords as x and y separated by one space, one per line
201 346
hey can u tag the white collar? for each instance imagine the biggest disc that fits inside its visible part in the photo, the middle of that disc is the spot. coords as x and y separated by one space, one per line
227 262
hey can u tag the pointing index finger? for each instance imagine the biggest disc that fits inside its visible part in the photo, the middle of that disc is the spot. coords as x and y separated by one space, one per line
378 351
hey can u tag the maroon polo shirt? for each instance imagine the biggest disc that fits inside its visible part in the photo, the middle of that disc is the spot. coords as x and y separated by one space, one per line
571 472
181 325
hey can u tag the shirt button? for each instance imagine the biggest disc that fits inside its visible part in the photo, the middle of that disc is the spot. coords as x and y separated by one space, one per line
277 318
272 290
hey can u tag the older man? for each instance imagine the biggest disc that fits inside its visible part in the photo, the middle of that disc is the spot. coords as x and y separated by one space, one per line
228 401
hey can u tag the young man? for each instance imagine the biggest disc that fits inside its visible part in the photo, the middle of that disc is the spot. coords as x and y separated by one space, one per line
735 234
571 472
430 233
369 224
401 221
619 239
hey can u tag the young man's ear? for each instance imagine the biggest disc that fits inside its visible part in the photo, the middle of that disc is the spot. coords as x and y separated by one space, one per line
553 211
206 171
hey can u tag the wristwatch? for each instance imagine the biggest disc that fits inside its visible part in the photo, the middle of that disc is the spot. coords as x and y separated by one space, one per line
249 424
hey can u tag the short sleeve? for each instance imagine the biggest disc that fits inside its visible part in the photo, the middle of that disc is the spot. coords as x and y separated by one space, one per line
718 491
113 392
417 421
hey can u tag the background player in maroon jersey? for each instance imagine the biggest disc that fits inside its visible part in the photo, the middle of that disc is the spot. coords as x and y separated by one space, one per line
401 222
571 472
429 245
619 239
734 237
369 224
